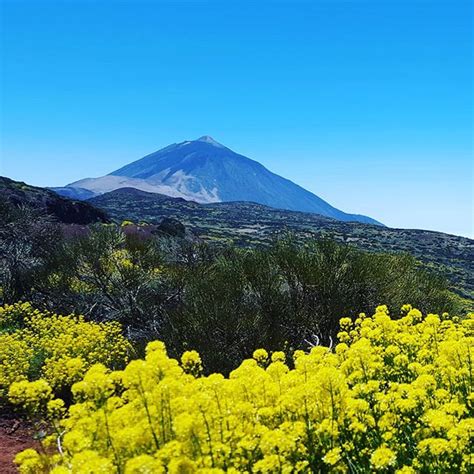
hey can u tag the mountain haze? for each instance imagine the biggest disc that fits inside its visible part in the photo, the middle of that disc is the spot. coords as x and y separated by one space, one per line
206 171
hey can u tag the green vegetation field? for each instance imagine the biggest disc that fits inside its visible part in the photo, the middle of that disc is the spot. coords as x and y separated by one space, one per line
142 348
245 224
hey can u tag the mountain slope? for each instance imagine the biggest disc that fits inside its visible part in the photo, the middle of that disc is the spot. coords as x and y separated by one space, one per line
206 171
79 194
67 211
246 223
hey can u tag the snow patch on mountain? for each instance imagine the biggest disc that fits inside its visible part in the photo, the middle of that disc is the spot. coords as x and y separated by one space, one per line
179 185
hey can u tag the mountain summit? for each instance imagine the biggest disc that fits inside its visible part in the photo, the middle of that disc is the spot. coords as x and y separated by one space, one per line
206 171
210 140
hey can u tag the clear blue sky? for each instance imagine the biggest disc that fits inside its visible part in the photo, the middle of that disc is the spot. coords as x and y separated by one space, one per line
366 103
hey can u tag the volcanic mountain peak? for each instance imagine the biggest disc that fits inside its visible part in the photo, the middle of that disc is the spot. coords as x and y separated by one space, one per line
206 171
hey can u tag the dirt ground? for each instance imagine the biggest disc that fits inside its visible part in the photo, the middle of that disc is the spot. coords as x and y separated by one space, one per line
15 435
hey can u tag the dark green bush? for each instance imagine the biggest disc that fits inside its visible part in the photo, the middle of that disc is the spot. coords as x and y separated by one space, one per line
224 303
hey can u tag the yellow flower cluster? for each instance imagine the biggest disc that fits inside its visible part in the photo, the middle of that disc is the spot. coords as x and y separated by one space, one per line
59 349
15 357
394 396
33 396
14 316
191 362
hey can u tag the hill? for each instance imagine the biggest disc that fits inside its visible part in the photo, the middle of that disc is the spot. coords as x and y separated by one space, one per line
67 211
206 171
246 223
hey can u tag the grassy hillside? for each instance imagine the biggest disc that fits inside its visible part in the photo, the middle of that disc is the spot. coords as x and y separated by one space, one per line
252 224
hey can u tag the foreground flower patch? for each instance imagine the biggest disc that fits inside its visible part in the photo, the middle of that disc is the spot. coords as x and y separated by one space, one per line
393 396
52 350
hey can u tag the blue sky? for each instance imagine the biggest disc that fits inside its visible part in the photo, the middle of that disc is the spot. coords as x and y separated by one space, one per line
366 103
